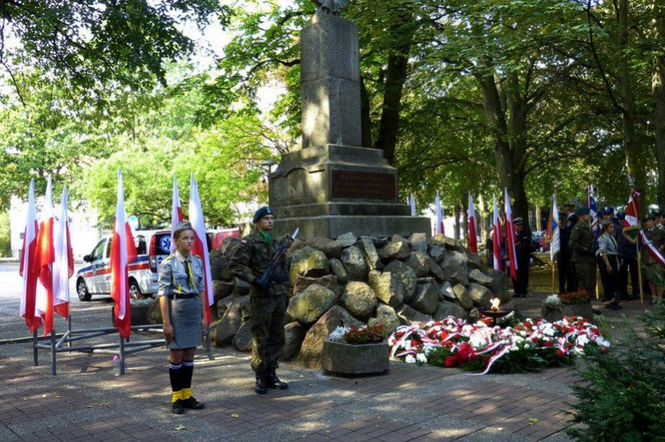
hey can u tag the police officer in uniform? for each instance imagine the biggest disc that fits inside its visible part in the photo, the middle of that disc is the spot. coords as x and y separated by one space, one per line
182 300
581 242
523 255
564 257
249 259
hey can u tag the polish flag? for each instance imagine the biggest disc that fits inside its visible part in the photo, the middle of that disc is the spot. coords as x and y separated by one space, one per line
510 237
176 211
473 236
44 258
496 240
633 211
123 251
200 242
28 252
653 250
63 266
439 216
553 227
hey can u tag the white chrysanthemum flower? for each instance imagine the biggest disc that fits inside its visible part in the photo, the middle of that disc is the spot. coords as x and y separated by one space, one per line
337 335
582 340
410 359
421 358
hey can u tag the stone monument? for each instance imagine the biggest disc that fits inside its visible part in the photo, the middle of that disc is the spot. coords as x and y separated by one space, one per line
333 185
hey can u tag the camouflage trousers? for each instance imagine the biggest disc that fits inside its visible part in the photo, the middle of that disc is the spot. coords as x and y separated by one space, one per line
585 274
267 315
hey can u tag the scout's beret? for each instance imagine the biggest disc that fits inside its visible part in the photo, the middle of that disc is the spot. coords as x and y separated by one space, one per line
182 225
517 220
582 211
263 211
651 216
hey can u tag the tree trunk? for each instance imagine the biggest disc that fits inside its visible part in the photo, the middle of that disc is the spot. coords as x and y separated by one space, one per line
482 219
456 230
658 92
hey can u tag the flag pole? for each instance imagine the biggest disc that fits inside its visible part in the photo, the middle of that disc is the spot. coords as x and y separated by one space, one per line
553 268
639 270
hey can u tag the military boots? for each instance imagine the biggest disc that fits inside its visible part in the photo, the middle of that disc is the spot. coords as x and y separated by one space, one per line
260 387
272 381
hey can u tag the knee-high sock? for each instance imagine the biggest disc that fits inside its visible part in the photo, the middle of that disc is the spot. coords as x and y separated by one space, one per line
187 372
175 376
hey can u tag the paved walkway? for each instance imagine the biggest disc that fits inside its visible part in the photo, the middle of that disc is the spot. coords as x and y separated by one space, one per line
86 402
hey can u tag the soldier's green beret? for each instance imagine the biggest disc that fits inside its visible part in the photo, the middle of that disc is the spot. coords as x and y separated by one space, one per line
582 211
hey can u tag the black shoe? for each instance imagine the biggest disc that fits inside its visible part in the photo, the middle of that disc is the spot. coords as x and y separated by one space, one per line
192 403
272 381
260 387
613 306
177 407
596 311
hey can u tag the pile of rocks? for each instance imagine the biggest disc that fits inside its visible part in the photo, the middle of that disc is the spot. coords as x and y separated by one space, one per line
356 281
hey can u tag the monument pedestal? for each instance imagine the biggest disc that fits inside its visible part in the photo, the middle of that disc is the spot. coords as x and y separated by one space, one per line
331 190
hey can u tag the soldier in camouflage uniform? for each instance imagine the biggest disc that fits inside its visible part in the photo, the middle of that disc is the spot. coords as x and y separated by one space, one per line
654 271
581 243
249 258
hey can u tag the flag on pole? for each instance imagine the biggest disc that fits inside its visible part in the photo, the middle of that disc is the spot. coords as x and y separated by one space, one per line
473 236
63 265
439 215
632 210
44 258
496 239
28 251
555 239
123 251
412 203
653 250
510 236
176 211
200 243
593 209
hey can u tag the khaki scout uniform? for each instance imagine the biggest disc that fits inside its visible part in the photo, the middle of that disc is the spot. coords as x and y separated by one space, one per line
249 258
581 243
654 271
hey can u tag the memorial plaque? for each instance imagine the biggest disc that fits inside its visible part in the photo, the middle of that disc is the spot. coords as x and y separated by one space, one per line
365 185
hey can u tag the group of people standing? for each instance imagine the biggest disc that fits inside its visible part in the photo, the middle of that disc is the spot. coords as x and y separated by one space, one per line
182 302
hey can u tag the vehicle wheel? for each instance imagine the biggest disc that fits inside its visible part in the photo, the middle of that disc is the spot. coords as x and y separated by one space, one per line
135 290
82 291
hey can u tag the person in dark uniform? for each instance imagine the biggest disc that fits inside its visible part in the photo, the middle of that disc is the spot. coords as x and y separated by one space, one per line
628 261
653 270
581 243
564 257
182 302
249 259
523 255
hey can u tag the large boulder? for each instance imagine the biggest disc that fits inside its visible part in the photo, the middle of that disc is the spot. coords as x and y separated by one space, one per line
227 327
446 291
386 316
339 271
154 313
294 334
330 247
308 261
242 340
463 297
445 309
312 346
407 315
371 255
405 275
425 299
499 285
387 287
474 261
346 240
480 295
359 299
419 262
354 263
454 272
479 277
222 289
418 242
396 248
307 307
328 281
458 258
437 252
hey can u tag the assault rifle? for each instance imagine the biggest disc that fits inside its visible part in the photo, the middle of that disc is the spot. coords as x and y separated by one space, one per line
265 277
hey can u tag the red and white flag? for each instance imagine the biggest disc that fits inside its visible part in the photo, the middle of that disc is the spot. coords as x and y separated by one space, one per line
510 237
200 242
176 211
496 239
44 258
28 251
633 210
653 250
438 229
473 236
123 251
63 265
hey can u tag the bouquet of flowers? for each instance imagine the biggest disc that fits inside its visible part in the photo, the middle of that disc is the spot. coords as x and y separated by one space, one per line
526 346
358 335
576 298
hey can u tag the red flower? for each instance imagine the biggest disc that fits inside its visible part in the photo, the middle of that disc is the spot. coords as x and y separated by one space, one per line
451 361
548 344
560 353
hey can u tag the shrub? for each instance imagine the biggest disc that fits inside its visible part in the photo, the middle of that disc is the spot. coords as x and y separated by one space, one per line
365 335
623 397
576 298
